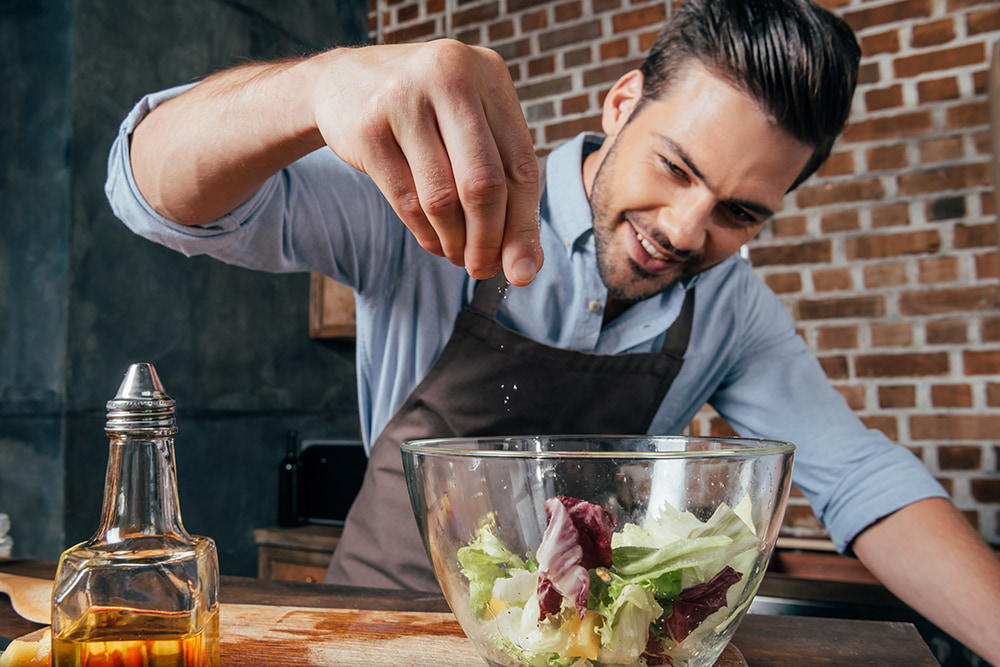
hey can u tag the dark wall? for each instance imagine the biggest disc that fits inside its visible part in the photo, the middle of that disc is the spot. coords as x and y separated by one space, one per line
230 345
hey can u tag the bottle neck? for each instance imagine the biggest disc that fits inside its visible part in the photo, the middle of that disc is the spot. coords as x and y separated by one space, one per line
140 491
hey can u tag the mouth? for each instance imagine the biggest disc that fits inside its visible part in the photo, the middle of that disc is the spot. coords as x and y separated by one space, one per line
651 257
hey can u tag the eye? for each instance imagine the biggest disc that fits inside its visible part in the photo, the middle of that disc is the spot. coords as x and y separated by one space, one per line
676 171
740 214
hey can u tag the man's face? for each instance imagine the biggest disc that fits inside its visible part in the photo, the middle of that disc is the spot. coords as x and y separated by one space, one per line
680 184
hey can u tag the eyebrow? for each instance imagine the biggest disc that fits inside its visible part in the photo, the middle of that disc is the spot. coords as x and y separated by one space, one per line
759 209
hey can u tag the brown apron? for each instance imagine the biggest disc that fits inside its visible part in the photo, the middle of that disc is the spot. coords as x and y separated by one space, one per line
488 381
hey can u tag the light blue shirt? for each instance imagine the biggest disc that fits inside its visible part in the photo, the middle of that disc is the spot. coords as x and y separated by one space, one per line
744 357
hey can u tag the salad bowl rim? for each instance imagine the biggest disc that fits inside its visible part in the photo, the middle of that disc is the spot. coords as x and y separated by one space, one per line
740 447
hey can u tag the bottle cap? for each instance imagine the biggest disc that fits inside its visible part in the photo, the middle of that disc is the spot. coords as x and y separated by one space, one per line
141 404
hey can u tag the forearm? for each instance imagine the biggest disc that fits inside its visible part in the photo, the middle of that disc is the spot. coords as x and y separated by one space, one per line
201 154
930 557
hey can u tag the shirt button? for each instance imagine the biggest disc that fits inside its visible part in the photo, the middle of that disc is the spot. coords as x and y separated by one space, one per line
566 241
595 306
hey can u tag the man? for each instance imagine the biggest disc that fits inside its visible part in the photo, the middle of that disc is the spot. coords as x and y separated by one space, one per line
642 313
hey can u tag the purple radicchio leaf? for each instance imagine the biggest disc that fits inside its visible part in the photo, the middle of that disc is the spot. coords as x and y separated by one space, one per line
697 603
577 537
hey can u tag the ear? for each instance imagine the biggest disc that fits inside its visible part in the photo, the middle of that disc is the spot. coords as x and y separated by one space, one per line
621 101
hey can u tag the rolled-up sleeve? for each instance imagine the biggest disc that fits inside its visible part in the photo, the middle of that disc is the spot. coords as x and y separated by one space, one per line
317 215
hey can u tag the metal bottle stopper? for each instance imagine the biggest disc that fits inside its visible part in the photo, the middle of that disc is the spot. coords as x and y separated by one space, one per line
141 404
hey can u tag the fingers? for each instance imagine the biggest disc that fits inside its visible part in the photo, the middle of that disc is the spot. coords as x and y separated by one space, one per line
445 140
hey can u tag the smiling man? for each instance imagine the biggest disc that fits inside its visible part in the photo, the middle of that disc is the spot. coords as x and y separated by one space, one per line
407 173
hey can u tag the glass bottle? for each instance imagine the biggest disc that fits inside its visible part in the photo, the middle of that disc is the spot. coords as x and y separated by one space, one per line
141 591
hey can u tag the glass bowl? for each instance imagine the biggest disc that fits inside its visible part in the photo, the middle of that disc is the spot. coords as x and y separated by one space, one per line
576 551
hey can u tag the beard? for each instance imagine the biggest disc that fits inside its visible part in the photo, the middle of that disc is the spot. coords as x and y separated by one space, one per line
625 280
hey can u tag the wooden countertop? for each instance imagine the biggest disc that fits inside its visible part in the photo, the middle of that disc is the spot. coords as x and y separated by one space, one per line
765 641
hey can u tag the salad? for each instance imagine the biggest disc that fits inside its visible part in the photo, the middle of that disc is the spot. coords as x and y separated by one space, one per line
590 596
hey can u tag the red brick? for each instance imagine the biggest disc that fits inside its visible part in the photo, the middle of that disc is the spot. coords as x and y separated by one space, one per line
891 334
890 215
976 236
981 362
639 18
883 42
516 49
957 177
577 57
934 33
951 396
534 21
500 31
408 13
938 90
837 338
839 221
542 66
986 489
481 14
941 149
987 266
834 367
556 86
718 428
887 157
985 21
868 74
838 164
883 423
974 114
851 306
910 364
993 396
791 226
831 280
575 105
891 13
784 283
937 270
608 73
892 245
959 457
854 394
897 126
897 396
812 252
570 128
933 61
884 98
887 274
946 332
954 427
411 33
601 6
568 11
945 208
990 330
520 5
959 299
840 193
576 34
617 48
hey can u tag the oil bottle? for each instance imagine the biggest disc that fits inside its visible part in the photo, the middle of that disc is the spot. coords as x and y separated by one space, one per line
141 591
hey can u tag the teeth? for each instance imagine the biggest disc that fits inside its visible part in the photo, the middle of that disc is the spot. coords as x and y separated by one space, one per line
648 247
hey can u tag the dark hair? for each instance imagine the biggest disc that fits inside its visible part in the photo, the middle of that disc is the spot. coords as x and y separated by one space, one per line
798 60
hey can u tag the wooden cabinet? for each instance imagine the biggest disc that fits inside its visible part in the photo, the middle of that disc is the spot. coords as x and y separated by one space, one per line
331 309
295 554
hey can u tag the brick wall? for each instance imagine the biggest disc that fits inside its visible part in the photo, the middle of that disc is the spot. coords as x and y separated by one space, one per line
886 259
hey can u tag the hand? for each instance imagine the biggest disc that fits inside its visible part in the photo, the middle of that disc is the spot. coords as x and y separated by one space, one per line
439 128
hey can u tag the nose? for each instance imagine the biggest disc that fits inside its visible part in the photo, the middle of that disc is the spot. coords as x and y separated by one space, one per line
686 219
